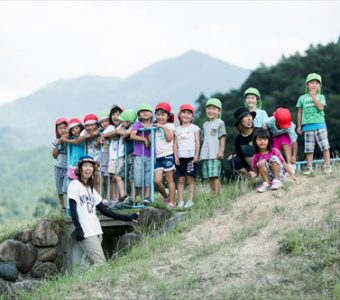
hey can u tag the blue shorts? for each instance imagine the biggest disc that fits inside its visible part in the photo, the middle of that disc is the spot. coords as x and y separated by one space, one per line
142 171
166 163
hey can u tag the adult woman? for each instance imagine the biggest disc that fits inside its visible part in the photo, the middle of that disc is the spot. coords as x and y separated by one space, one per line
241 160
84 200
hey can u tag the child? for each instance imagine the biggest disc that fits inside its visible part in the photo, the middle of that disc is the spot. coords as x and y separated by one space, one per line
77 144
186 150
59 153
283 132
311 117
164 142
268 162
128 118
142 152
212 152
253 102
104 123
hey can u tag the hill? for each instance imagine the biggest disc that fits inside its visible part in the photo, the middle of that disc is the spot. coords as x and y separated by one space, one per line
276 245
177 80
280 85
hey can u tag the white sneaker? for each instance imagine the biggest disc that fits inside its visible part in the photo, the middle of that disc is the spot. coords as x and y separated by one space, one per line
189 204
180 204
276 184
293 169
265 186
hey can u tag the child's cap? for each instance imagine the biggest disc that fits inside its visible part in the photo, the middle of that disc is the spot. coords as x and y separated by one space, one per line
144 106
313 76
60 120
215 102
185 107
90 119
166 107
283 117
128 115
116 107
103 116
240 113
73 123
254 91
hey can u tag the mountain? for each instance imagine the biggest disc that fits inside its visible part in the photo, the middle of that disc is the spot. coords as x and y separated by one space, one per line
176 80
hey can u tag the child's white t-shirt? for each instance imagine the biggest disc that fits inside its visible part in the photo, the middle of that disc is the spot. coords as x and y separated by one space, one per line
185 137
87 200
116 147
163 147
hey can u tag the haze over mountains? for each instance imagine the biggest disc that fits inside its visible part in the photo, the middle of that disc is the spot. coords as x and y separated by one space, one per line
28 121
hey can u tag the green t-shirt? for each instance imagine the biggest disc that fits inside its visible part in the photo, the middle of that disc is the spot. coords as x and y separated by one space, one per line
310 113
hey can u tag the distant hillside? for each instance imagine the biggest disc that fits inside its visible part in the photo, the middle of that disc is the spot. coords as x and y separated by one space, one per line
177 80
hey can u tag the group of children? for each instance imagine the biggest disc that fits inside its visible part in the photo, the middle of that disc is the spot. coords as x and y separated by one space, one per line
120 143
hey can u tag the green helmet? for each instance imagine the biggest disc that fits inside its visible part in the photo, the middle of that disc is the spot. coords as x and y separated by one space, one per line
128 115
215 102
144 106
102 116
254 91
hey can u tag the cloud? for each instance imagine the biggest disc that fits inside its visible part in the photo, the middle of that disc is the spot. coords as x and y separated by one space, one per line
46 41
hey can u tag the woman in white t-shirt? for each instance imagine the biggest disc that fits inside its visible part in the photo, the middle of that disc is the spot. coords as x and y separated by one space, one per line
186 151
164 140
84 200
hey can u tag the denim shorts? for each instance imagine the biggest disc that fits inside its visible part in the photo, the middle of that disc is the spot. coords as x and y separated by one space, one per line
186 167
142 171
166 163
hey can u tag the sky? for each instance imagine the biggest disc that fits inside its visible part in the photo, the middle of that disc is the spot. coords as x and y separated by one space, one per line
44 41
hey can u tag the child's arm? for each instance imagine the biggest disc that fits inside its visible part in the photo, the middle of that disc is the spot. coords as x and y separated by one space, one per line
76 141
176 151
197 146
289 171
55 152
220 153
295 151
299 118
317 103
169 134
135 137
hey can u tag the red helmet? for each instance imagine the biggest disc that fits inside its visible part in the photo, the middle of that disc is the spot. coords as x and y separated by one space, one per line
283 117
90 119
58 122
73 123
166 107
185 107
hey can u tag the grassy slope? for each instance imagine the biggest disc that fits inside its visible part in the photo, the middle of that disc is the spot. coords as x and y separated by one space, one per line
276 245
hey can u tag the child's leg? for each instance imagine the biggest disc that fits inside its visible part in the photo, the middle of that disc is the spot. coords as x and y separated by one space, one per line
276 168
326 157
169 176
62 201
309 159
263 170
180 187
287 151
113 187
191 186
215 185
121 186
159 184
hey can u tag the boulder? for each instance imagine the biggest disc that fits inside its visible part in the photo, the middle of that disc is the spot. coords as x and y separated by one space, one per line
23 236
44 270
127 240
44 235
8 271
47 254
151 218
17 288
23 255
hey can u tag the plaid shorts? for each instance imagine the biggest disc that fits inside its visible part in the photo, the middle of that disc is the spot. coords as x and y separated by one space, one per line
321 137
130 167
60 175
211 168
275 159
116 167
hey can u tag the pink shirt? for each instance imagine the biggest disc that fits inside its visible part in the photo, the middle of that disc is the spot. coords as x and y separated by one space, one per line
266 156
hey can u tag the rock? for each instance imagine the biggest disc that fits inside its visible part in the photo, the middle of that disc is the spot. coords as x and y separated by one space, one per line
23 236
44 270
151 218
44 235
16 289
173 221
8 271
47 254
127 240
23 255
